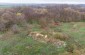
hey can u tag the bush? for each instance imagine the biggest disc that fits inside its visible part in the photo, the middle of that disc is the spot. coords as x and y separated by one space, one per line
15 29
43 23
20 18
2 26
60 36
70 48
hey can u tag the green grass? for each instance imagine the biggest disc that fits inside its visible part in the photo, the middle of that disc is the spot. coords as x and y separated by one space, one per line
21 44
78 33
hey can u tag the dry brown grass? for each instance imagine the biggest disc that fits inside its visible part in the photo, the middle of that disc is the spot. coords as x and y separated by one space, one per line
7 35
61 36
46 39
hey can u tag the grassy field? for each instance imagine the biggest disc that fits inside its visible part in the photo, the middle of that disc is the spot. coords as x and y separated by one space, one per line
22 44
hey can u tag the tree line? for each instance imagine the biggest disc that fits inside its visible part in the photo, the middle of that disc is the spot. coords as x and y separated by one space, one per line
43 15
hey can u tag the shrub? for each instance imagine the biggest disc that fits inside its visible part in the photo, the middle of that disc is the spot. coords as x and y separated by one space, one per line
2 26
20 19
43 23
70 48
15 29
60 36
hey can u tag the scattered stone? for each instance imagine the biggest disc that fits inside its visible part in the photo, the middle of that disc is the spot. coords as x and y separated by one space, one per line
46 36
60 44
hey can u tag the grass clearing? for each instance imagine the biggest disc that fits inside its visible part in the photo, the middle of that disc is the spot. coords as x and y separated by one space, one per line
21 44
